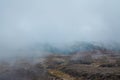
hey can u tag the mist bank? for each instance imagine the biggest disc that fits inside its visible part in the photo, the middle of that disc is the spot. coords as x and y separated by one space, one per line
41 50
28 25
27 22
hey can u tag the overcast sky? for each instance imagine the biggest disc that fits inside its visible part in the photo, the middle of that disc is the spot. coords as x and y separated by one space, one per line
25 22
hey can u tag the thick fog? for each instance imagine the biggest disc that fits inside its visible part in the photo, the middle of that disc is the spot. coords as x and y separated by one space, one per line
27 22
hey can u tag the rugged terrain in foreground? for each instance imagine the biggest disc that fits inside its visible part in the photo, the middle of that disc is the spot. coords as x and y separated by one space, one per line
88 65
57 67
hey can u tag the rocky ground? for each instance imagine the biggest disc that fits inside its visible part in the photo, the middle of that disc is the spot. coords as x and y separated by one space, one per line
64 67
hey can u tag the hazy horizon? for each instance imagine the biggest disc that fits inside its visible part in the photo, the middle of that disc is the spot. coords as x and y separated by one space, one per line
28 22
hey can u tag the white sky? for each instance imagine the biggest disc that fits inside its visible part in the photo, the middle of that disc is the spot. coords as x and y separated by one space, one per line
25 22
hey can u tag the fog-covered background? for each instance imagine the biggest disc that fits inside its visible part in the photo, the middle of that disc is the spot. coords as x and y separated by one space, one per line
25 23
